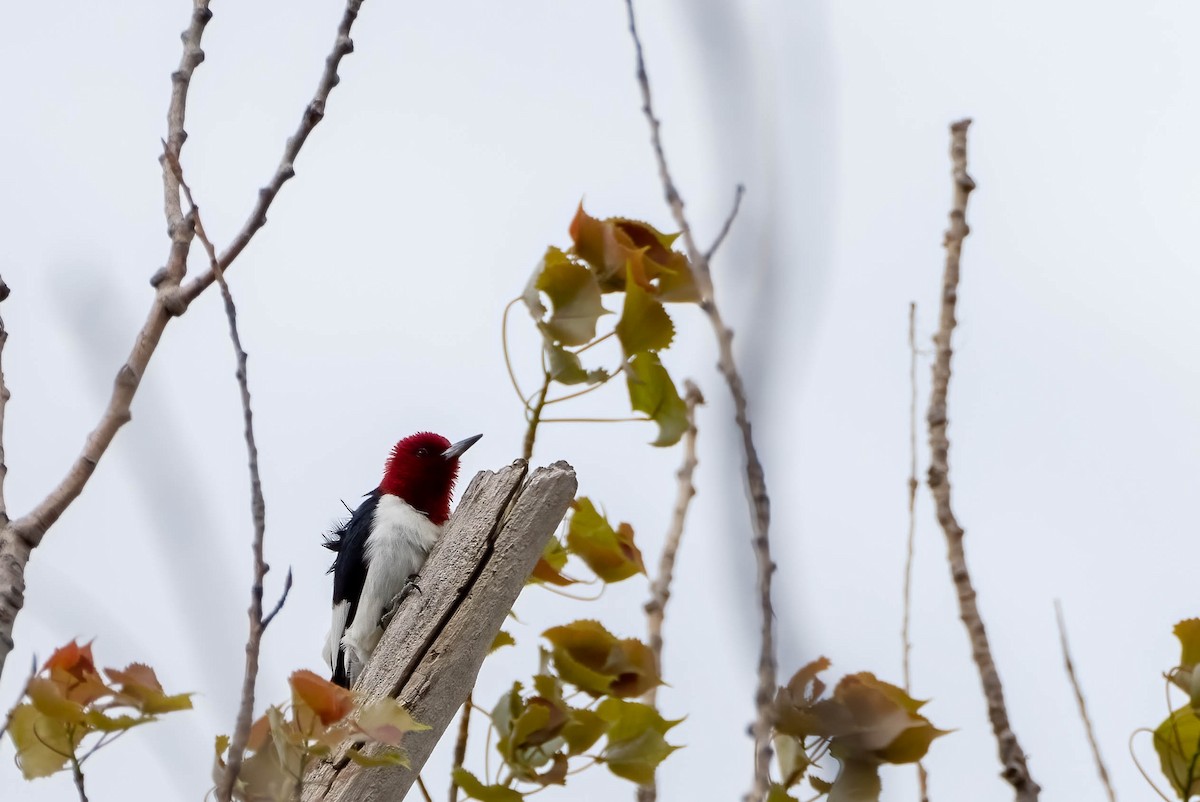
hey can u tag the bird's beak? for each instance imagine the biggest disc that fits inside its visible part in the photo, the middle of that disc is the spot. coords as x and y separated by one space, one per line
458 448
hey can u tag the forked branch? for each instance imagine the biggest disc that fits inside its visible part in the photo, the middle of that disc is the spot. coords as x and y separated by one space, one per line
760 502
19 537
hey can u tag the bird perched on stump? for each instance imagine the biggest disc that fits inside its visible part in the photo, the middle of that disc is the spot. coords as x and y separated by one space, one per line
385 542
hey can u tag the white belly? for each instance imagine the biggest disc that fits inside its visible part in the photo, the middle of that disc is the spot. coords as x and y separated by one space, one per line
400 540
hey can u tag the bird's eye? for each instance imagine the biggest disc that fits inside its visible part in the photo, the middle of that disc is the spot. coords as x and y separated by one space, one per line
422 452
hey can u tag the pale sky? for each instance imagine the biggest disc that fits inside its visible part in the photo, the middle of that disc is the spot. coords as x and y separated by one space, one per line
454 151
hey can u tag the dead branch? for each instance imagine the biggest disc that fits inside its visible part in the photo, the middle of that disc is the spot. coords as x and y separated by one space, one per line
4 396
660 588
1016 772
18 538
1079 700
906 641
258 508
433 647
760 502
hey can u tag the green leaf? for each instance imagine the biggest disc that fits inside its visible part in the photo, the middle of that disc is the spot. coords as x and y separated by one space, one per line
591 658
574 296
819 785
635 744
610 553
564 366
615 245
99 721
386 720
42 743
644 324
1188 632
221 744
549 566
856 782
473 788
778 793
140 689
582 730
388 756
50 699
627 719
652 391
793 760
1177 741
540 721
501 640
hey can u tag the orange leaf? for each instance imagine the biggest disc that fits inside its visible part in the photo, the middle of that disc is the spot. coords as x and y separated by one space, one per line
330 702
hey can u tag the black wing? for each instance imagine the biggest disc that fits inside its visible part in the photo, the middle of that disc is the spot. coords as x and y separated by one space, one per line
349 567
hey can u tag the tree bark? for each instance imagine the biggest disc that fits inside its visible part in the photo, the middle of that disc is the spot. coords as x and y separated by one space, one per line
431 651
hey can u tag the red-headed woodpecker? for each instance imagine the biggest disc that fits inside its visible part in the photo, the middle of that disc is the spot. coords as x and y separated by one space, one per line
385 542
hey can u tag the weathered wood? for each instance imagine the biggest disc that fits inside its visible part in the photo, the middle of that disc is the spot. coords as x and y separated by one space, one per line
432 650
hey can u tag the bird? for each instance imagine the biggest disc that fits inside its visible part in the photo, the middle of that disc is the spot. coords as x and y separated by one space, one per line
381 547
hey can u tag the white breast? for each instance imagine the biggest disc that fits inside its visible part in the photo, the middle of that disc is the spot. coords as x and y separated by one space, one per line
400 540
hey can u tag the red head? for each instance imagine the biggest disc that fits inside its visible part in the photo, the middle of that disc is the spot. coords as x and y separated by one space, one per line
421 470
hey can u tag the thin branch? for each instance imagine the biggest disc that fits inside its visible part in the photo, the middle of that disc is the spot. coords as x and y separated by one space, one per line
287 587
4 396
660 589
258 509
18 538
760 503
423 789
314 112
724 232
1012 757
906 641
460 746
1083 712
77 774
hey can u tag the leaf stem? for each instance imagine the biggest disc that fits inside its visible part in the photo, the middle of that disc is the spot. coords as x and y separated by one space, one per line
596 420
596 341
512 376
535 418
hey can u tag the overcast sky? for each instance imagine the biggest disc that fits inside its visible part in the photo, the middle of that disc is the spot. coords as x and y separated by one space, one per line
454 151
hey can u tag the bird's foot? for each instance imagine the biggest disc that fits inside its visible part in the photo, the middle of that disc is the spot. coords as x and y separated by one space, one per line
409 586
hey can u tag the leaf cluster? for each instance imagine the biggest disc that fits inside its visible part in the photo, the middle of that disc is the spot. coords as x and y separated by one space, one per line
1177 738
864 724
540 734
69 700
322 716
610 553
564 297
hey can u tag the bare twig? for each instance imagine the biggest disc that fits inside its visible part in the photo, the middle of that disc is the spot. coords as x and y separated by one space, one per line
760 506
460 745
258 508
424 791
906 640
1083 712
77 774
660 589
728 224
4 396
287 588
1016 772
18 538
314 112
